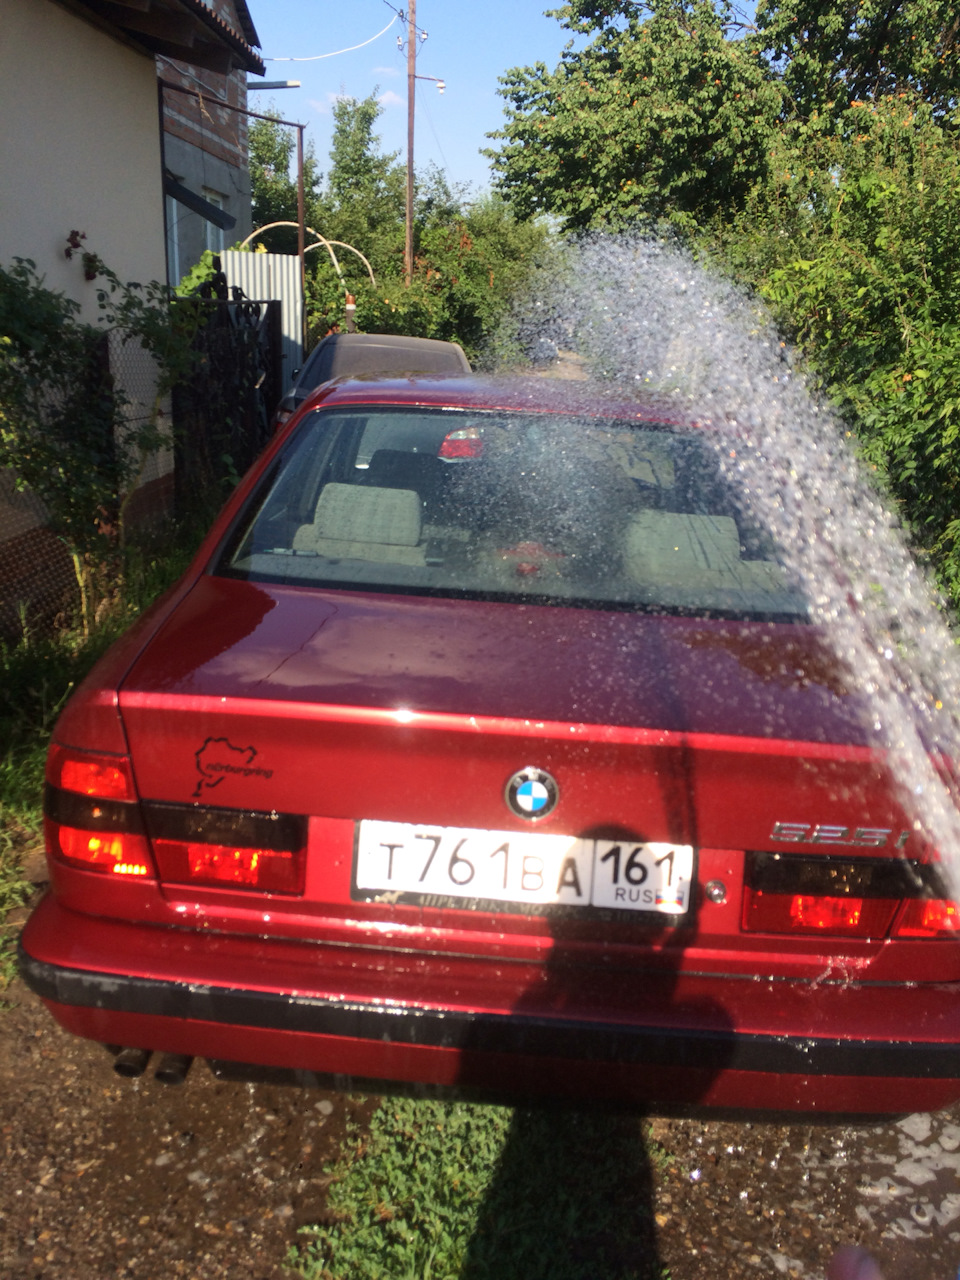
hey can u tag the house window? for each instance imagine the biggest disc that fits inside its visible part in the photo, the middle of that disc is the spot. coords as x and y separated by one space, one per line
174 254
213 235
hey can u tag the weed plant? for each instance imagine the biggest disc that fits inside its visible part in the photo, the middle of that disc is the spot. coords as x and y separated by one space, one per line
442 1190
38 672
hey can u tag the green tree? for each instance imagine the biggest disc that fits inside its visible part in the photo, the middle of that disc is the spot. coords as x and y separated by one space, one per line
660 116
834 52
359 173
273 182
363 199
362 204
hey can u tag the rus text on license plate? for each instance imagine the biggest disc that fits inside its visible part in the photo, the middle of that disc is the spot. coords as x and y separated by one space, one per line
408 863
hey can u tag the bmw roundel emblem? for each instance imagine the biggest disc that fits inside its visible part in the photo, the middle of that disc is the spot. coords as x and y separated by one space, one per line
532 793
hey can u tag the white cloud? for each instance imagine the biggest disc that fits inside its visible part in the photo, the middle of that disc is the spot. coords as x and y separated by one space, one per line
386 71
325 107
390 99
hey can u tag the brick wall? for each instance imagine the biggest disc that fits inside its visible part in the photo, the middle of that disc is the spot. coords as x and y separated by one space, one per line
221 133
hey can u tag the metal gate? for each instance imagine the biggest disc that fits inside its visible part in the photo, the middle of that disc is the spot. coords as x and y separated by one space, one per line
222 412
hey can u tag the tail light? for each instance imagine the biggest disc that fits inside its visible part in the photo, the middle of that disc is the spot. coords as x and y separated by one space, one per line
466 442
929 918
232 848
94 821
91 815
189 862
861 898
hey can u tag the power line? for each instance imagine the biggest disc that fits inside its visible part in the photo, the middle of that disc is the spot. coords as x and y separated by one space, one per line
318 56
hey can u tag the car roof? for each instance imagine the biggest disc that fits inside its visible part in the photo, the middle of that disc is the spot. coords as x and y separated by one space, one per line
341 354
517 394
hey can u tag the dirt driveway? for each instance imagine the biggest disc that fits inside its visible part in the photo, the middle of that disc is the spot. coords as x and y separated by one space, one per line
110 1179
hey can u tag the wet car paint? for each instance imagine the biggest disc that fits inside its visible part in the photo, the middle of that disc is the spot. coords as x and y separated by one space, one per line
343 705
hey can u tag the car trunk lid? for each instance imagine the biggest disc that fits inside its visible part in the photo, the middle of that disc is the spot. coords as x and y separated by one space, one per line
345 707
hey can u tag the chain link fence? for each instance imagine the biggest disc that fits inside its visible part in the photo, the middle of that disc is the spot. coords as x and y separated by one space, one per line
217 422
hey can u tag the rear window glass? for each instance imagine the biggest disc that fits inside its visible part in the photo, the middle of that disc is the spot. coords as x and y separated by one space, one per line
490 505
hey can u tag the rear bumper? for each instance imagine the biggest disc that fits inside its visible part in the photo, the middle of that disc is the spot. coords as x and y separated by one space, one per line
686 1042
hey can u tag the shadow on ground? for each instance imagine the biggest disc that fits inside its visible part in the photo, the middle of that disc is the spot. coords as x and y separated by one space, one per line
551 1214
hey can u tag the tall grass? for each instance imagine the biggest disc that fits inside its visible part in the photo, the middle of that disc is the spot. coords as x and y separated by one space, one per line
38 672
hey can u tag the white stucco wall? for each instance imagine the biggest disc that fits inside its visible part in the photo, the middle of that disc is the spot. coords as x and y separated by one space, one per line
79 148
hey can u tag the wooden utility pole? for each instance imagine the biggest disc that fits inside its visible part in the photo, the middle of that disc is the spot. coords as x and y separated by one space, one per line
411 92
302 238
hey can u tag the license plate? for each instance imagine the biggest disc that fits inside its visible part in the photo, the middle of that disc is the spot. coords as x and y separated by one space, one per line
518 870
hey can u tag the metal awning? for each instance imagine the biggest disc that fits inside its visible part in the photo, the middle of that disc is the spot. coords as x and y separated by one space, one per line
213 213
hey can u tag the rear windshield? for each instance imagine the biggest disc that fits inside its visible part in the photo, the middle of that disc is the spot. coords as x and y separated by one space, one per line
514 506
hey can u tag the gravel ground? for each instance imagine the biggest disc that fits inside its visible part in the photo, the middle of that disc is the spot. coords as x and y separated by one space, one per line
135 1180
755 1199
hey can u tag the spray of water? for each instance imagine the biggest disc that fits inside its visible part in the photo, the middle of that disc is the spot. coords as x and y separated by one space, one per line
645 317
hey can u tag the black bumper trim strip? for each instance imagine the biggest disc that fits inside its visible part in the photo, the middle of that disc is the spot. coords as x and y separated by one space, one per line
519 1032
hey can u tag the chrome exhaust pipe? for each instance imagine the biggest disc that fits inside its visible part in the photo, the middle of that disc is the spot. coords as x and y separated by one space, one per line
173 1068
131 1063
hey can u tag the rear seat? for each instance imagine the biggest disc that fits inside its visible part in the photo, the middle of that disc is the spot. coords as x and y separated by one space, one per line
401 469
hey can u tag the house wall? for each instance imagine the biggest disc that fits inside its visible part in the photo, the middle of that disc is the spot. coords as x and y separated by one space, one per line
79 149
212 177
205 148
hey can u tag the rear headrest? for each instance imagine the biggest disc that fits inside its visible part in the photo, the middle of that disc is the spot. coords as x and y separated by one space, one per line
358 513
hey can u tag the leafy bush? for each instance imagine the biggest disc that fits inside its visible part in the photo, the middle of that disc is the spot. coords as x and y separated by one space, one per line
855 244
65 429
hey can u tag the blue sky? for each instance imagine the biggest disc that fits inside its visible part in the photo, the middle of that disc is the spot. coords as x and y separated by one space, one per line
468 46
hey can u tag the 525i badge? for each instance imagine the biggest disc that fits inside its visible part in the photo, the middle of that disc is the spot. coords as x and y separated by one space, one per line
823 833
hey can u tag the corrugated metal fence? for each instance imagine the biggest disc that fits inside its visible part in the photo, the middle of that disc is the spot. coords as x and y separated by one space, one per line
273 275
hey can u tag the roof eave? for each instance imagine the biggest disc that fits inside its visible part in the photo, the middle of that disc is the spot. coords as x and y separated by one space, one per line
186 30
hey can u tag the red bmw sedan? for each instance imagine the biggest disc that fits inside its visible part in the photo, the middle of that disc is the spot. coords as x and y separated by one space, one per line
487 747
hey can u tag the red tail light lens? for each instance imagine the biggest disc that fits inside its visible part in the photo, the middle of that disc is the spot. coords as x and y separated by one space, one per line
929 918
266 870
228 848
464 443
91 774
92 818
118 853
801 913
838 897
